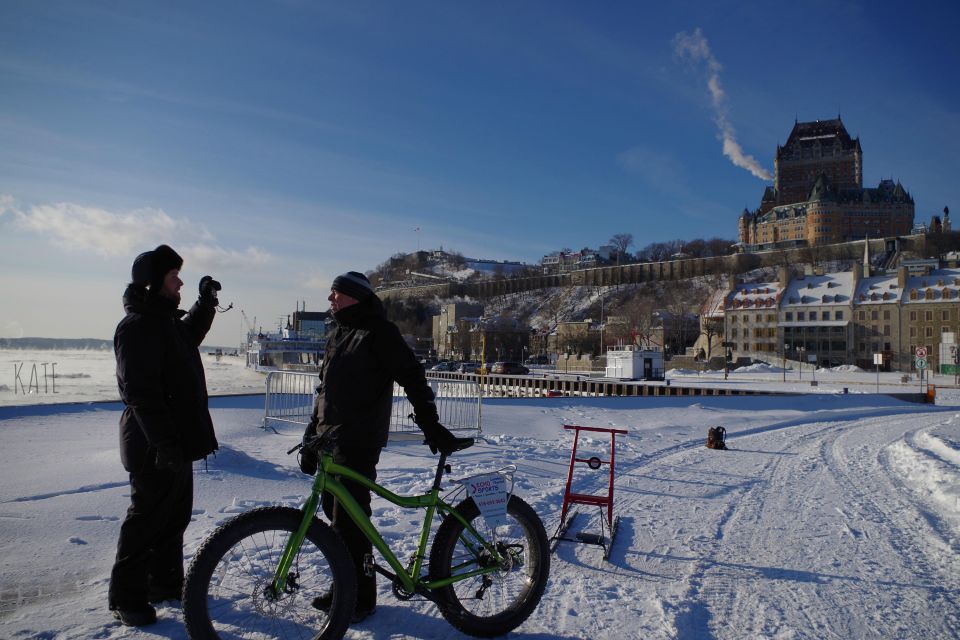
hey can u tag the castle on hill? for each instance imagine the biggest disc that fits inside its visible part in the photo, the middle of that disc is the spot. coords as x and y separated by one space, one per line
818 195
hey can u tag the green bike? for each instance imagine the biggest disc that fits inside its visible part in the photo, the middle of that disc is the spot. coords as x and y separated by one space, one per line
257 574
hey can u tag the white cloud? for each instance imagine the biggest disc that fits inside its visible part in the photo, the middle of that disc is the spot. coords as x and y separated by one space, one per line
694 47
111 234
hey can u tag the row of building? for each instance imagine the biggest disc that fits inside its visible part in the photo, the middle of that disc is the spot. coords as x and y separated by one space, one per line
849 317
854 317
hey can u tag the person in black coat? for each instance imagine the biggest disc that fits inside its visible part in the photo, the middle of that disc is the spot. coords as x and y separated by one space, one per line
364 356
165 426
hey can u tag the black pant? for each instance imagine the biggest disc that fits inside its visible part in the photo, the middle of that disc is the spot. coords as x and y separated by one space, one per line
363 460
150 549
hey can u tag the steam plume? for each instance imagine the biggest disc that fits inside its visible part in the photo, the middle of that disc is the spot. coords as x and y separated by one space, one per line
694 47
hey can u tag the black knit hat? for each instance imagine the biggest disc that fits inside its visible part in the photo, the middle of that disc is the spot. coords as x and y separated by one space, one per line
353 284
151 267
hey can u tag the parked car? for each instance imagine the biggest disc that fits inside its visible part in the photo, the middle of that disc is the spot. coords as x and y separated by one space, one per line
446 365
538 360
509 368
468 367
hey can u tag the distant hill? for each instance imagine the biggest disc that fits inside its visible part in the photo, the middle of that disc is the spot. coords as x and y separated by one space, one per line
87 344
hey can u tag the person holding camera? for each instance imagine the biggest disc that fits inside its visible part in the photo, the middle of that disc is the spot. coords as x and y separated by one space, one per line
164 427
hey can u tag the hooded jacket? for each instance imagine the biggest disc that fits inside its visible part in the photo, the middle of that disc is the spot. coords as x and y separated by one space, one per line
161 380
364 357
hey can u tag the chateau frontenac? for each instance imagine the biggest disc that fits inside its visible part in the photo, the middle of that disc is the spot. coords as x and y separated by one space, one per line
818 196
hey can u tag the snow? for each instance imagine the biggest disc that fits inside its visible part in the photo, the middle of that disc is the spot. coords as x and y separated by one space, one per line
831 516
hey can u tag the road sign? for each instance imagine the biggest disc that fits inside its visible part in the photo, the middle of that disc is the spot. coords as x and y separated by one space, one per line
921 352
921 363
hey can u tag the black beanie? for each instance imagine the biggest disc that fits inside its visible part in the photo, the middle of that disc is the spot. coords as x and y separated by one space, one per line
353 284
151 267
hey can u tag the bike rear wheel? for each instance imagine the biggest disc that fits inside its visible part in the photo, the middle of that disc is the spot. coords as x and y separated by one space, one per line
496 603
227 591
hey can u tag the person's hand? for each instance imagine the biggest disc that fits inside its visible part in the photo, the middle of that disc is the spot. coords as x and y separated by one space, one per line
208 291
438 438
168 458
308 461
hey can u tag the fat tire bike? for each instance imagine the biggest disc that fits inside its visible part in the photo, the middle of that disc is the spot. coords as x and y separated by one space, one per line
257 574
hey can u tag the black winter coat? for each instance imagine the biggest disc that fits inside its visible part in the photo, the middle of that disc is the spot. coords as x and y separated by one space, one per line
363 358
161 380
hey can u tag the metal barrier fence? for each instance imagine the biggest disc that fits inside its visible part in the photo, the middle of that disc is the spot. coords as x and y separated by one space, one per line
290 394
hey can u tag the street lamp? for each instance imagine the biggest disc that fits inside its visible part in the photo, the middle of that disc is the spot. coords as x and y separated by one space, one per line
785 345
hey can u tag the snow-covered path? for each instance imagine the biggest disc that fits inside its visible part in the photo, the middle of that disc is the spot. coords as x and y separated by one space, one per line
800 530
829 517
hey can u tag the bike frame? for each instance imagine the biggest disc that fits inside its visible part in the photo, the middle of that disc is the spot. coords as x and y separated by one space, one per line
327 479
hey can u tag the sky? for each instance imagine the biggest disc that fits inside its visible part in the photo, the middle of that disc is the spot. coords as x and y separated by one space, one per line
831 515
278 143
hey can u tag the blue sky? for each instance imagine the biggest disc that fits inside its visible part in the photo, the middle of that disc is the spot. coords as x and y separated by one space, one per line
278 143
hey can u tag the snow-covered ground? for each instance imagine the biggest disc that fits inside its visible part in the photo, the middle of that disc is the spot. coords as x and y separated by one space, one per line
831 516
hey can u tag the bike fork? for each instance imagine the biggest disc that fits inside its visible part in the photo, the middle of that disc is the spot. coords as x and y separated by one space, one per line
283 580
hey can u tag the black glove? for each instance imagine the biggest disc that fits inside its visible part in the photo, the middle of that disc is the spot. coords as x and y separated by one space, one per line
169 457
308 461
208 291
438 438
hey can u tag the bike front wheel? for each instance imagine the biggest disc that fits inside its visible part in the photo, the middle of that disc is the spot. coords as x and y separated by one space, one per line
495 603
228 592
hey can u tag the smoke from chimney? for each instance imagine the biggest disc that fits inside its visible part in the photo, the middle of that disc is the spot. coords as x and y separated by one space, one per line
695 48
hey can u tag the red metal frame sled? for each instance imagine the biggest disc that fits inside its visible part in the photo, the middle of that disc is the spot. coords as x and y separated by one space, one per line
604 502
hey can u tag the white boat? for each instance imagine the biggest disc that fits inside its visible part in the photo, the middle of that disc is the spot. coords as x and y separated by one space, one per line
297 347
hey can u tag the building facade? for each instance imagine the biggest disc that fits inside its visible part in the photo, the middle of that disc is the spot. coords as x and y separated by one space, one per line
818 195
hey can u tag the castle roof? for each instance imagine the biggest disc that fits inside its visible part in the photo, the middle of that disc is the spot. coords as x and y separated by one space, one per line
807 133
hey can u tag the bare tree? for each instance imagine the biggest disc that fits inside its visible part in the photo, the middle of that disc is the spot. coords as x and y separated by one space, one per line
710 328
621 242
696 248
638 309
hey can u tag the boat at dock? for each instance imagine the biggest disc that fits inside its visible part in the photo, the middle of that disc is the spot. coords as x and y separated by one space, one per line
298 346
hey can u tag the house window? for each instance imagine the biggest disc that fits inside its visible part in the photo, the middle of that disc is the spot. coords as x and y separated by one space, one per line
801 316
862 315
945 315
913 332
838 315
913 316
928 332
788 316
886 329
886 314
826 315
944 329
874 314
928 316
813 316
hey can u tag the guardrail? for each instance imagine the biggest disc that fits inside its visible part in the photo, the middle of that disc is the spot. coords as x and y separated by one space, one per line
290 395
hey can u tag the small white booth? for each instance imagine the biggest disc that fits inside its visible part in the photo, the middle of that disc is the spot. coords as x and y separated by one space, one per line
634 363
